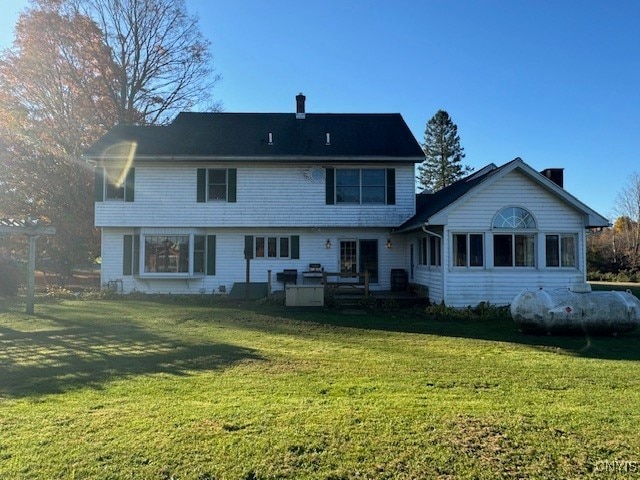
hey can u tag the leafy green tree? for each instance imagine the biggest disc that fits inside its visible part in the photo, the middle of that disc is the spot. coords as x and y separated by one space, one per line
444 154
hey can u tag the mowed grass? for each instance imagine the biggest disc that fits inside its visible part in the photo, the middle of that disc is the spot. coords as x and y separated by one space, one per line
153 389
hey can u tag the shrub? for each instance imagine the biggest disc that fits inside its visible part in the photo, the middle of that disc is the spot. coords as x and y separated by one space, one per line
482 311
10 277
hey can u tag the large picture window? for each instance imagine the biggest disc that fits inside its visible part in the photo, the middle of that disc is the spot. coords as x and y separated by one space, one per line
560 250
168 255
175 254
360 186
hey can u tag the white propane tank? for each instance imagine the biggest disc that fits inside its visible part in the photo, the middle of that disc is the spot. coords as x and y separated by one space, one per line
562 309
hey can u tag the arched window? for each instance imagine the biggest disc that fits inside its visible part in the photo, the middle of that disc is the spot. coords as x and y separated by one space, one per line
514 218
514 248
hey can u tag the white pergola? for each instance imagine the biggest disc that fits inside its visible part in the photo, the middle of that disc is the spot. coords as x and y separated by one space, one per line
32 229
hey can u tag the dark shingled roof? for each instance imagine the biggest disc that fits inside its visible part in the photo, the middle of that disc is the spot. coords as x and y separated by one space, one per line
210 135
428 204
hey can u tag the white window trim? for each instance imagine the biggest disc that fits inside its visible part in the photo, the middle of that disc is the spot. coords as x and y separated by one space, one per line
468 265
226 186
105 181
524 232
359 202
266 247
170 275
560 235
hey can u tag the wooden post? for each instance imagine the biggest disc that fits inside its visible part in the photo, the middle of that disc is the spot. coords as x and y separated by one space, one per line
31 230
247 293
268 283
366 283
31 274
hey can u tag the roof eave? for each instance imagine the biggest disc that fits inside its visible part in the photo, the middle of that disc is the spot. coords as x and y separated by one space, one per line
288 159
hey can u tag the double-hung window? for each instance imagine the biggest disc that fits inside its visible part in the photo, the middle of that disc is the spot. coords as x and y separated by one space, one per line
115 181
272 247
468 250
216 185
560 250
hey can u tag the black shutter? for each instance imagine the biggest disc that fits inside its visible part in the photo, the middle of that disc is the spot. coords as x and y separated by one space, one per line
129 185
330 186
211 254
232 180
127 255
202 185
98 187
391 186
295 247
136 254
248 246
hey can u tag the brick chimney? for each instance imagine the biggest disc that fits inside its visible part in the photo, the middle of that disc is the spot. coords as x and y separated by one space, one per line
556 175
300 99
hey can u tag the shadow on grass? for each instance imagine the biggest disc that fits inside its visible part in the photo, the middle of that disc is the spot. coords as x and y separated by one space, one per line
416 321
73 354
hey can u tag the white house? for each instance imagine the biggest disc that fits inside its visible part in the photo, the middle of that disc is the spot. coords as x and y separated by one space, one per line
182 206
497 231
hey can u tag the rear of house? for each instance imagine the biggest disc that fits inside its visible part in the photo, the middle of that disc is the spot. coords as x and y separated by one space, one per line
182 207
195 206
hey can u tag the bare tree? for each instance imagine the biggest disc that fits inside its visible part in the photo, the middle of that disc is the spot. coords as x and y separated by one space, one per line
627 227
163 63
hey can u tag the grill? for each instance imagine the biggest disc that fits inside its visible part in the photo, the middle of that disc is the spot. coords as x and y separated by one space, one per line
288 275
315 271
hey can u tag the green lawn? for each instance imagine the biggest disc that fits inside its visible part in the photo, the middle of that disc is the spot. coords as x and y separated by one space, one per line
148 389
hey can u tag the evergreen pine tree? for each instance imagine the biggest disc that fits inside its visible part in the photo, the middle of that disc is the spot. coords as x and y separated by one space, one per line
443 163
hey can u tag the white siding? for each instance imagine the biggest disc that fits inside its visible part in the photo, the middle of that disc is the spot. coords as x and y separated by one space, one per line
230 262
470 286
429 276
267 195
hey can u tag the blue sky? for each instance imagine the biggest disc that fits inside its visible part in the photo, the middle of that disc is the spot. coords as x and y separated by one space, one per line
556 83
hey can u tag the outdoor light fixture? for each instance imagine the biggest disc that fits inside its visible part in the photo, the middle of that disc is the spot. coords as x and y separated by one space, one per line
389 244
328 244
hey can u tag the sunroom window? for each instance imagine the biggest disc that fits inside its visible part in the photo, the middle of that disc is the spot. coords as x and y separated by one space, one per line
468 250
560 250
518 247
514 218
